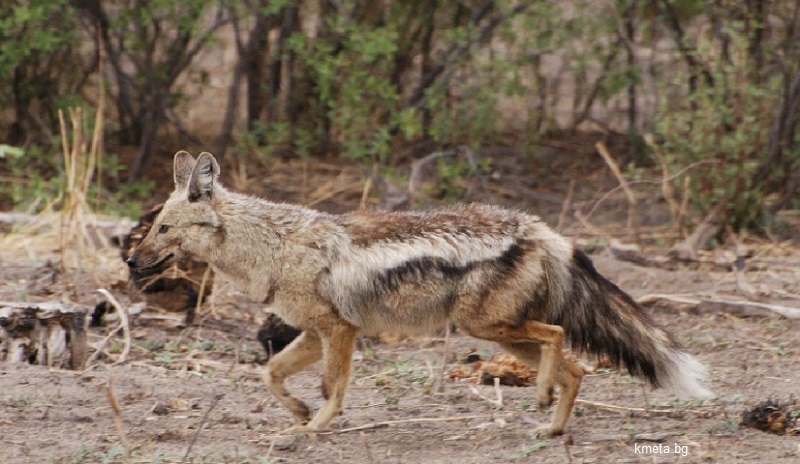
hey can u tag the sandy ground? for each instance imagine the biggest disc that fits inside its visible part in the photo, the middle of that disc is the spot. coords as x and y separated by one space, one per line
194 394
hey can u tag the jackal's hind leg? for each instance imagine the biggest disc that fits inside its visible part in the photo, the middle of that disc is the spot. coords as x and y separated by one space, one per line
534 343
301 353
552 364
338 344
534 355
568 376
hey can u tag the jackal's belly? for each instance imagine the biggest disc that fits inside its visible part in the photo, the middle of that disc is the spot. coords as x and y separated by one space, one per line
409 308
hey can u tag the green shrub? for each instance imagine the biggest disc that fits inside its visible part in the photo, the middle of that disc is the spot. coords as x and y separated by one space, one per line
722 129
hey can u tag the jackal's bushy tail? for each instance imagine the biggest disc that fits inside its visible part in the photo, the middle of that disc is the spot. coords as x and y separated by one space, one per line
600 319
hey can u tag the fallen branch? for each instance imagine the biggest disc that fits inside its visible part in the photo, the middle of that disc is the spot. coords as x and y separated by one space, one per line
42 223
632 254
786 311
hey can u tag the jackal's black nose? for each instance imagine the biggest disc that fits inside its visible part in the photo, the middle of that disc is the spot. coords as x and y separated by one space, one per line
131 262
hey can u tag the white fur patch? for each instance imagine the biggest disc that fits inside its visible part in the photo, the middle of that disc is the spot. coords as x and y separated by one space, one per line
685 376
360 265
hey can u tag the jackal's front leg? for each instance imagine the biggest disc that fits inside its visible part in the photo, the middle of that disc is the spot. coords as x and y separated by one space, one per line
338 344
302 352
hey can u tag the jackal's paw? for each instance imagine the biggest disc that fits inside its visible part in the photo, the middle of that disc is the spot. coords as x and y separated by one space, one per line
545 397
300 410
548 431
299 428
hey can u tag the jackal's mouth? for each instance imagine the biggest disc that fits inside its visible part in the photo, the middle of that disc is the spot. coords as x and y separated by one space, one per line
156 267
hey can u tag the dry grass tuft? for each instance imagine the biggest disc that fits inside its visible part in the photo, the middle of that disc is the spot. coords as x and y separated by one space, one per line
67 232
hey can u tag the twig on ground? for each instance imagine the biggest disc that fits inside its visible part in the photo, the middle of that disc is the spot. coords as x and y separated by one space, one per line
377 425
125 323
439 381
201 293
217 397
614 407
117 416
370 459
103 344
234 361
269 450
568 441
498 402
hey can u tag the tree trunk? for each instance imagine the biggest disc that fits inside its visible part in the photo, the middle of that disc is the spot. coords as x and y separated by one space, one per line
254 57
152 120
130 129
630 40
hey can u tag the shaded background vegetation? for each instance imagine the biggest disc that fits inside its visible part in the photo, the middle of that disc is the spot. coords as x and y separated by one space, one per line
706 91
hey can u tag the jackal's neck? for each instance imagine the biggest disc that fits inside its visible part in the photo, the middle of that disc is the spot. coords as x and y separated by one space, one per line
247 212
255 234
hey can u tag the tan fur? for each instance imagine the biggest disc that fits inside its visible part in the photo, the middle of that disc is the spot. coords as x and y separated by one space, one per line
497 274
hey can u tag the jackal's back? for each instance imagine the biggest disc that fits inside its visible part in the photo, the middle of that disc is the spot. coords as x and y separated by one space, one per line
411 271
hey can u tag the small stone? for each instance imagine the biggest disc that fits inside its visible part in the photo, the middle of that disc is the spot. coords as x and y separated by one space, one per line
285 443
160 409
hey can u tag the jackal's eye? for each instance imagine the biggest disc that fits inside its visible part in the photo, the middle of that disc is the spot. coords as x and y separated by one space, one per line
163 229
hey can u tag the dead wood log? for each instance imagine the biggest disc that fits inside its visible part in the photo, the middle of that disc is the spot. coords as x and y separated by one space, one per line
50 333
736 307
39 224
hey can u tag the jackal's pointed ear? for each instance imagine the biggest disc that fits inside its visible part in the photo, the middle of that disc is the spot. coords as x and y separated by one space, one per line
204 175
183 164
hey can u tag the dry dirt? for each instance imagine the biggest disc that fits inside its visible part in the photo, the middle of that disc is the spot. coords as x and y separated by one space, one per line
194 395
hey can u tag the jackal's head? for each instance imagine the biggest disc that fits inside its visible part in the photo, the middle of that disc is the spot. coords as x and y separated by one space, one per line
188 225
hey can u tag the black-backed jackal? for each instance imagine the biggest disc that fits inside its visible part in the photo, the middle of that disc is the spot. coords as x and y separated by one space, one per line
497 274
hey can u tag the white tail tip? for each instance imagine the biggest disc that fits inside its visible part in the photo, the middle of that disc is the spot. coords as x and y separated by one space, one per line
685 376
